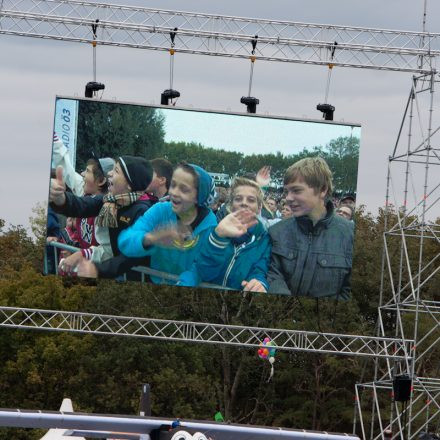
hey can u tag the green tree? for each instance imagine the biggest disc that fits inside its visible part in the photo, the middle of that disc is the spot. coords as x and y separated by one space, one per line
342 155
112 130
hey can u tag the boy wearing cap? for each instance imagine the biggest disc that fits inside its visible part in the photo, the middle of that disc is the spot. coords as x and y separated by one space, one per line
92 180
312 250
115 211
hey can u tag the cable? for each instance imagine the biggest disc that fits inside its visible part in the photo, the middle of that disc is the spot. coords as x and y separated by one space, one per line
250 101
326 108
93 87
169 94
94 29
330 69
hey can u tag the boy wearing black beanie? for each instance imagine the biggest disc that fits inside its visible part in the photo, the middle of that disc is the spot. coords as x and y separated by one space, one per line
116 211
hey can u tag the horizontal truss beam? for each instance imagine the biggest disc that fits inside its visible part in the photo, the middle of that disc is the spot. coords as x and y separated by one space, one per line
231 335
219 35
421 384
410 305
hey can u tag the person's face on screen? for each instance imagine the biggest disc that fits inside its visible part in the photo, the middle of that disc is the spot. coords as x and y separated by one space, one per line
344 211
272 205
183 192
118 183
90 184
245 197
304 200
286 211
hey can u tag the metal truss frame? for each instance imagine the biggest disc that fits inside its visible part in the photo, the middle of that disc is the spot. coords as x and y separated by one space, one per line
231 335
219 35
409 273
423 411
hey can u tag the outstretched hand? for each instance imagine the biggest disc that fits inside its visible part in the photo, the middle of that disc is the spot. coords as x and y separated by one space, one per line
167 236
87 269
236 224
263 176
57 191
253 286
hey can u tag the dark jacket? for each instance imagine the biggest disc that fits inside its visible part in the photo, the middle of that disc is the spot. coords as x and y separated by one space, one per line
89 206
309 260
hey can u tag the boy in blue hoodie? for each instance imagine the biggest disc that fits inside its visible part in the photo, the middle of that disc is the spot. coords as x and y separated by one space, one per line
171 233
237 252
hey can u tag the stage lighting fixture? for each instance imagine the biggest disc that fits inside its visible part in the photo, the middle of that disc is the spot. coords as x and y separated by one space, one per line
250 103
92 87
327 111
168 95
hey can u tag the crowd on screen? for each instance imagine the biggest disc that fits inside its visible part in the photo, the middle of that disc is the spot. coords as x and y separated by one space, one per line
128 212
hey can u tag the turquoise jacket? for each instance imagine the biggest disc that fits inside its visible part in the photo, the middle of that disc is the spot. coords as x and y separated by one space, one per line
228 262
175 259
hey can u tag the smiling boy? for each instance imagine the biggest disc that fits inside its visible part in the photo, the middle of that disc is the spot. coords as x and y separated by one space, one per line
312 250
116 211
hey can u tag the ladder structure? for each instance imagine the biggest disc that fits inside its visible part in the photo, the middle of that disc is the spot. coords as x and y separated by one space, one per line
406 299
411 263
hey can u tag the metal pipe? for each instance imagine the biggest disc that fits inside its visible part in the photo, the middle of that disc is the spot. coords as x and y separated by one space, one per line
39 419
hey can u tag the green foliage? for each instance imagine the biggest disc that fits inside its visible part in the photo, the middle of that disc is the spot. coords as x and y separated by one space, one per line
111 130
104 374
342 155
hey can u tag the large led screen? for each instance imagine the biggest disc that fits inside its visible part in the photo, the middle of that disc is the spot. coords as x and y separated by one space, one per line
202 199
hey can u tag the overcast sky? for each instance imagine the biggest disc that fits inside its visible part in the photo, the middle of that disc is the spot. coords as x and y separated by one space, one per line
33 71
251 135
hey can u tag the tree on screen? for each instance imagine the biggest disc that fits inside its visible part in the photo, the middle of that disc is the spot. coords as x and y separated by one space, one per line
212 160
341 154
112 130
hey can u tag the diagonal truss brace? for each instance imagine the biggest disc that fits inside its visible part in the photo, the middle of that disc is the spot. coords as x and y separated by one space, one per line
232 335
219 35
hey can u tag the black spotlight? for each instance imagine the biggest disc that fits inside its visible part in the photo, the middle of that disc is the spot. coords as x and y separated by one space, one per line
402 388
327 111
168 95
92 87
250 103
